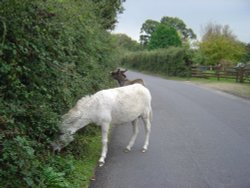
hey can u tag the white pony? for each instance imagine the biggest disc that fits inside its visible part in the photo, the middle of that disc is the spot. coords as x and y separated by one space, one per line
111 106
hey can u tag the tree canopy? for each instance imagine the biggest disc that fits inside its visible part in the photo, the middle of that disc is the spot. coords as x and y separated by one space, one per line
180 26
218 43
164 37
149 27
126 43
107 11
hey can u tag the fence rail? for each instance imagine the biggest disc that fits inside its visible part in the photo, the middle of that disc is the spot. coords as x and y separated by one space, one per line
239 73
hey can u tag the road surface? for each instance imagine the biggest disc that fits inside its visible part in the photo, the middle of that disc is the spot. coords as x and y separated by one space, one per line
200 139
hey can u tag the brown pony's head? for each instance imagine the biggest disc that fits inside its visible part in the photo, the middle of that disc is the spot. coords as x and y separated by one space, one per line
118 74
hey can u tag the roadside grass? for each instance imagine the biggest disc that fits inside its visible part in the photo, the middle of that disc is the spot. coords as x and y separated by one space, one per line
238 89
226 85
85 167
87 151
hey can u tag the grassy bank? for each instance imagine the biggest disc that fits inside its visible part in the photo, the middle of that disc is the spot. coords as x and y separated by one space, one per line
225 85
86 164
240 90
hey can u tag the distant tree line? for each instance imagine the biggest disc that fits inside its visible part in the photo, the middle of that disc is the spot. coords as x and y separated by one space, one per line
218 44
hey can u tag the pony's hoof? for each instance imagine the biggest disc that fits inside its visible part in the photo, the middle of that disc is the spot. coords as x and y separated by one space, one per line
143 150
126 150
101 164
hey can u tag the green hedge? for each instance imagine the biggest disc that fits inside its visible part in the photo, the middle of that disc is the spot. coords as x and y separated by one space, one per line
51 53
170 61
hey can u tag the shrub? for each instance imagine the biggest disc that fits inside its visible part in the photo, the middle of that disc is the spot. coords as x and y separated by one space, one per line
169 61
51 54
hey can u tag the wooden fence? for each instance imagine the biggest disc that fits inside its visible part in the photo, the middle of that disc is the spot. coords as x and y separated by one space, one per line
239 73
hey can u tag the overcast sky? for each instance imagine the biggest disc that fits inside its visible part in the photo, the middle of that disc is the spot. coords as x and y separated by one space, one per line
195 14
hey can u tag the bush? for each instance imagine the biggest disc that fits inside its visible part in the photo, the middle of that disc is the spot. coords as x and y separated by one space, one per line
168 61
51 54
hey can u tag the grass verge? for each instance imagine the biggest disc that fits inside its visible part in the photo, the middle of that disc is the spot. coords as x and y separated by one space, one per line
87 152
225 85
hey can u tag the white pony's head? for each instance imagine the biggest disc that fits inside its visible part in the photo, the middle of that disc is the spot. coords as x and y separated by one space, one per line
63 140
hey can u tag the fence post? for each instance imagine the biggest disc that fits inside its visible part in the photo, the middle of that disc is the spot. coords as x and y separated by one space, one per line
237 75
218 68
240 70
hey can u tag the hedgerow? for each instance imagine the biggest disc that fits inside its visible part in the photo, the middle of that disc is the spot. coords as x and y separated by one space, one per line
52 53
169 61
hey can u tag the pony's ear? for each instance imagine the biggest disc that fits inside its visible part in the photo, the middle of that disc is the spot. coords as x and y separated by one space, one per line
123 71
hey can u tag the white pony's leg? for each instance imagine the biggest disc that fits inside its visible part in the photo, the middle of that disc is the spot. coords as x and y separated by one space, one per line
135 133
105 128
147 130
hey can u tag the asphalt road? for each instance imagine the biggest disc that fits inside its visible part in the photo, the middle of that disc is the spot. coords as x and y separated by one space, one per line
200 139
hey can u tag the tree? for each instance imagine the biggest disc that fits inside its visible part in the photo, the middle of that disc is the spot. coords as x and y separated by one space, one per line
212 29
148 27
126 43
163 37
219 43
180 26
246 58
107 11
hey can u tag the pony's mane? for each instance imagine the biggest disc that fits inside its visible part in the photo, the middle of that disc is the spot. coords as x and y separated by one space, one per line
75 112
84 100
